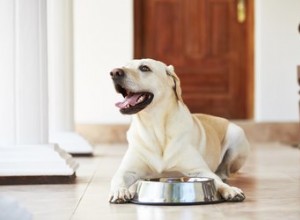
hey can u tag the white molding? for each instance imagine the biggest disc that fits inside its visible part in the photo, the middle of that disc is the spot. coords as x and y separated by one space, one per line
60 65
61 81
24 148
7 88
31 96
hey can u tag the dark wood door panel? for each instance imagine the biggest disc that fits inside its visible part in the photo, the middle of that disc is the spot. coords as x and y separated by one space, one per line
207 46
210 106
205 84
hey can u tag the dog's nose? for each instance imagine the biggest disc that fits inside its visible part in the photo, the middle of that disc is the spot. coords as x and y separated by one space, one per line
117 73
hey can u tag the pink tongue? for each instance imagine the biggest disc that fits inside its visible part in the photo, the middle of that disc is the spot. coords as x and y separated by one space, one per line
129 100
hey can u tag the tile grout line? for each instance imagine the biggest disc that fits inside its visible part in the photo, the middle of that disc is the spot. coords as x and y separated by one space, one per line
83 194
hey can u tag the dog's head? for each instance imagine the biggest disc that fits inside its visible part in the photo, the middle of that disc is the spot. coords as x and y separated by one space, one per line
144 83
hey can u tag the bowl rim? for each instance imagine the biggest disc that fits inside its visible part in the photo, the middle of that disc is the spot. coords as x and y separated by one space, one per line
183 179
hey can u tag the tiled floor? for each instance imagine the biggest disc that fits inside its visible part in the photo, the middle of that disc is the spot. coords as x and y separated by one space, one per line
270 180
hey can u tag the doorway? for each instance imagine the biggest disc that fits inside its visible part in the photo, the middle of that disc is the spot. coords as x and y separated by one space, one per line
210 44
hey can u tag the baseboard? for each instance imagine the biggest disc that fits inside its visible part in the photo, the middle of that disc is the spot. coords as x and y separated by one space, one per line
287 132
103 133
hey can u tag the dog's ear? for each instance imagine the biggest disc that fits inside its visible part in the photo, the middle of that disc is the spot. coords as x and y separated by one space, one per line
176 86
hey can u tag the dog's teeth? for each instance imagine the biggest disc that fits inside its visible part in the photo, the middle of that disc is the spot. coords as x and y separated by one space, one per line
140 99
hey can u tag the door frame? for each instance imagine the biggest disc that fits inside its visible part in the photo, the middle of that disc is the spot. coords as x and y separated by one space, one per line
249 68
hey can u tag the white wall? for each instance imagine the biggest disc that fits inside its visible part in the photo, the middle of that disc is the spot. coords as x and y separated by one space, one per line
104 40
277 56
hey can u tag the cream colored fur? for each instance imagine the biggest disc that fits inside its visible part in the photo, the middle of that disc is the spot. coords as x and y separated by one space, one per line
166 137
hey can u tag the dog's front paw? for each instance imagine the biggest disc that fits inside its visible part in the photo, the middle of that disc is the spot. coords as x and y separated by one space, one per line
121 195
232 194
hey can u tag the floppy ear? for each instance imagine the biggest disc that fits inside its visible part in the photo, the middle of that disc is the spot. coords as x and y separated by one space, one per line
176 86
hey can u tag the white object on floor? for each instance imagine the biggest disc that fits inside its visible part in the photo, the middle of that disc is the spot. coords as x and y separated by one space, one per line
71 142
11 209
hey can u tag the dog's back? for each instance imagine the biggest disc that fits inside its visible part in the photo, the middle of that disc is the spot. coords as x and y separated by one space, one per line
215 125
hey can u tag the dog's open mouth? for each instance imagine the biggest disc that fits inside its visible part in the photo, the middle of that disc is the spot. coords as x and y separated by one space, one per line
134 101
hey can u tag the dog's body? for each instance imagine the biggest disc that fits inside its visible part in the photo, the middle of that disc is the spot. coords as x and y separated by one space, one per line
164 136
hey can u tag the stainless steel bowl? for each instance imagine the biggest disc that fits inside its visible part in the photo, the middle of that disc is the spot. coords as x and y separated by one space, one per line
176 191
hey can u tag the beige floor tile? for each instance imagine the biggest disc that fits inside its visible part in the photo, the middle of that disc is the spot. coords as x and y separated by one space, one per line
270 180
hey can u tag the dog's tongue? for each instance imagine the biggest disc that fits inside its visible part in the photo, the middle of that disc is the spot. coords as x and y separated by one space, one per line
130 100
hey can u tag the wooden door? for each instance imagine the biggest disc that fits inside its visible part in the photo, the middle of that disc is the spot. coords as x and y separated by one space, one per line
209 47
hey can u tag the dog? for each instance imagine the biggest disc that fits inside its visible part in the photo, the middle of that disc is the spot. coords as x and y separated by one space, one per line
165 137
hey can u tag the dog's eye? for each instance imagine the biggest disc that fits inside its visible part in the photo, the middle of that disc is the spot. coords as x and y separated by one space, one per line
144 68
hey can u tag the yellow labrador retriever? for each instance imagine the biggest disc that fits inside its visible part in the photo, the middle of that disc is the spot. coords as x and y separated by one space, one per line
165 137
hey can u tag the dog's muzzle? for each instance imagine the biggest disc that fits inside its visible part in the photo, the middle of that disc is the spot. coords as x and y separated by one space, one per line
134 101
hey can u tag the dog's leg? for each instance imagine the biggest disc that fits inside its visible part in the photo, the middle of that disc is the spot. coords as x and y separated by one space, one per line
192 164
229 193
130 170
121 182
235 151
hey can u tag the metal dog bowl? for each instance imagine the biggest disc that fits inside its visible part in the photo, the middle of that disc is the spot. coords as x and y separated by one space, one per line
176 191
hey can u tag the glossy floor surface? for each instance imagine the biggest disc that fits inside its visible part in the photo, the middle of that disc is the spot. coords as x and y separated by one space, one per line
270 180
